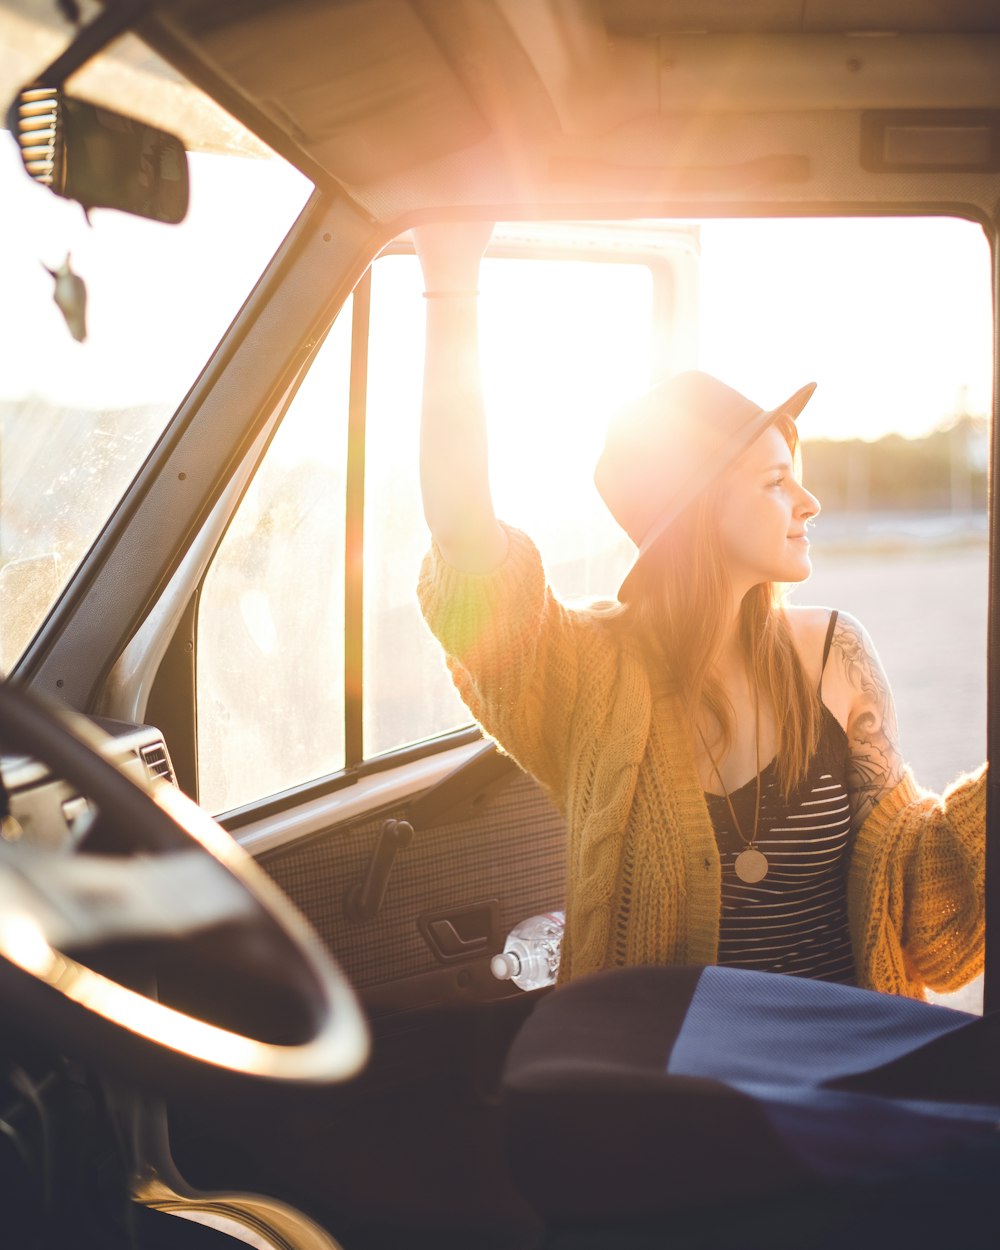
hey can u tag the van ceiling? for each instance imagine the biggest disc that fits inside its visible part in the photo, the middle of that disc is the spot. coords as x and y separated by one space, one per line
542 106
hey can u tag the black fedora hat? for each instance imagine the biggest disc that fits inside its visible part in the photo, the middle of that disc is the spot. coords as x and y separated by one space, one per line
664 448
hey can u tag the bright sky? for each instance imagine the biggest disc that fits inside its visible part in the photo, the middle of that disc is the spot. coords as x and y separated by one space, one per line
892 318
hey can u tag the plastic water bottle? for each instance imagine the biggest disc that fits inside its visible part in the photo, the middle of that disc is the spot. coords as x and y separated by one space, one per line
531 953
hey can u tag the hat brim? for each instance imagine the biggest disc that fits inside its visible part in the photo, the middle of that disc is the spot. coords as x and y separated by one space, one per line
708 473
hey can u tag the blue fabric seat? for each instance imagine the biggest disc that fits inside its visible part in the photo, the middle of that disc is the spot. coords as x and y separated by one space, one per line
655 1095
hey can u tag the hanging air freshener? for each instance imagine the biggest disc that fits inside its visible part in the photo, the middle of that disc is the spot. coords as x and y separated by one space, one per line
71 298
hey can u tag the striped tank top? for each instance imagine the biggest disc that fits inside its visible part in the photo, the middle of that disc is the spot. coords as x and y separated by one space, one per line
795 919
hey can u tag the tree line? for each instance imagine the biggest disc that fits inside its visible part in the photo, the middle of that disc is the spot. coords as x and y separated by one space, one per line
945 471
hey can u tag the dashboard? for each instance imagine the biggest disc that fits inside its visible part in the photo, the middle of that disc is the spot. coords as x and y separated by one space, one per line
50 813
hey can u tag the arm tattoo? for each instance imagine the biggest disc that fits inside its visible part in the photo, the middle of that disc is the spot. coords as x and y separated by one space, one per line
875 764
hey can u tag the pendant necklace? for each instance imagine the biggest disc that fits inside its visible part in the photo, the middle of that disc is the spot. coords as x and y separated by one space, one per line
750 865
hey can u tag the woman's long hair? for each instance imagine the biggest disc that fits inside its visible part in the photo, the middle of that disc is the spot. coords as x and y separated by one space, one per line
676 615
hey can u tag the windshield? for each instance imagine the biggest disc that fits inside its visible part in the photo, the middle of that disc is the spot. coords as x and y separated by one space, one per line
77 419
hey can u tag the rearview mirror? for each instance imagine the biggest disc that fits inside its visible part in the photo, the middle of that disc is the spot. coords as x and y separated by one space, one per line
100 158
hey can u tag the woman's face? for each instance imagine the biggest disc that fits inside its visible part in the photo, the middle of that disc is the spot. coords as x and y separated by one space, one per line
762 509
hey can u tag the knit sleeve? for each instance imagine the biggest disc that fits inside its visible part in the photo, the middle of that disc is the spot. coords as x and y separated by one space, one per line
917 888
513 652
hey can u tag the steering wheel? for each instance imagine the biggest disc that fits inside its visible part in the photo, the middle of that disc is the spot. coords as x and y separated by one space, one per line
158 940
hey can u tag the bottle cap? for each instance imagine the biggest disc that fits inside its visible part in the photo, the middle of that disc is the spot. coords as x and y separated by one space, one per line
505 966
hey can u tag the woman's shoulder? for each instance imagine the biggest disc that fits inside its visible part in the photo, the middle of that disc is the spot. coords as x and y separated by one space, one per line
851 662
811 624
809 619
809 627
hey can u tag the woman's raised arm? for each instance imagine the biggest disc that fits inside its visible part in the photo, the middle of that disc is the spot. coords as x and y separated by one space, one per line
454 468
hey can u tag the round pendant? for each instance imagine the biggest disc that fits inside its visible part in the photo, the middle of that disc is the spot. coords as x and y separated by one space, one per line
751 865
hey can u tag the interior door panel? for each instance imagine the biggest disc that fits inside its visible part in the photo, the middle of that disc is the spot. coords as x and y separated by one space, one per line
482 857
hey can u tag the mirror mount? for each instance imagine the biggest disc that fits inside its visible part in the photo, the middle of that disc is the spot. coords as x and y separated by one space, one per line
112 21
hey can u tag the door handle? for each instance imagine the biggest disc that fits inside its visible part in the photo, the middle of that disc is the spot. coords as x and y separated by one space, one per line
461 932
451 944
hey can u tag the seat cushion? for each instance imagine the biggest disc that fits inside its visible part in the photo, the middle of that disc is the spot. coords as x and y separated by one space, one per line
651 1090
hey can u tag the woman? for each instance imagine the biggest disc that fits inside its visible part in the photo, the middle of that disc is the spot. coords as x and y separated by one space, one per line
727 767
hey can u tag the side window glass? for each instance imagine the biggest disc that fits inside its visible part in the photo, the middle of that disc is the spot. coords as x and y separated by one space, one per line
581 335
270 667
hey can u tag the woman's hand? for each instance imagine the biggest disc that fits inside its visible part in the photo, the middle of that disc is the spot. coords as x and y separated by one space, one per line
450 253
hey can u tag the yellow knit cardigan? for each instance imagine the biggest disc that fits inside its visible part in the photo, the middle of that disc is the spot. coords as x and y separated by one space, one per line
570 700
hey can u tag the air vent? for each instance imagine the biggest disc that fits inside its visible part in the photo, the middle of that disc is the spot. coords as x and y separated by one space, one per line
157 761
33 119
